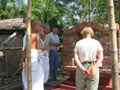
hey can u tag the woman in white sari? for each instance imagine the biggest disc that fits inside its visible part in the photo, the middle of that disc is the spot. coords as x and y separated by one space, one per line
43 56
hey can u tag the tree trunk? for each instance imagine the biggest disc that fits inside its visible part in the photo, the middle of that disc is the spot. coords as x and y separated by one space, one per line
29 79
89 10
113 41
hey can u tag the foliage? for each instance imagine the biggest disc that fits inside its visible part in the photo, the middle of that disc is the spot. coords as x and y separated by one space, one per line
63 13
12 9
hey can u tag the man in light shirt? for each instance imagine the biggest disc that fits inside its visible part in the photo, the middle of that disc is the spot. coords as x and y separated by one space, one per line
85 51
53 55
46 31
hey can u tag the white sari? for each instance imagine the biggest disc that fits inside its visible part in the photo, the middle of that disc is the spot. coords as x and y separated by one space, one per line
43 56
36 71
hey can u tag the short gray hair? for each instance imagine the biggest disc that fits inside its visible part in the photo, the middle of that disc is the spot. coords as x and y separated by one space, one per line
45 25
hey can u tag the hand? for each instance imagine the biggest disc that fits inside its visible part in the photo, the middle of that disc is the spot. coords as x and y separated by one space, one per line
84 71
57 44
22 64
46 47
97 65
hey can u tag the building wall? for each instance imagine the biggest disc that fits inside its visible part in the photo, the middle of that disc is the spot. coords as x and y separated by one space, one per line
72 35
11 59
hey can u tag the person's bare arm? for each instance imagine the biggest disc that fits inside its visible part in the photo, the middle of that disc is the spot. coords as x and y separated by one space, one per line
22 64
79 63
45 48
24 54
99 58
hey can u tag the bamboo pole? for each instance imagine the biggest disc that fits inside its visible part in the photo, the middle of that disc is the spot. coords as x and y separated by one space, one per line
29 79
113 41
89 10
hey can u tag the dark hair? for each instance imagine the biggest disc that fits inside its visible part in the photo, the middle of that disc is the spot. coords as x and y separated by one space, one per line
55 26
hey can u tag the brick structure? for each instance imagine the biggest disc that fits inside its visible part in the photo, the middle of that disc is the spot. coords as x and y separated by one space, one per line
72 35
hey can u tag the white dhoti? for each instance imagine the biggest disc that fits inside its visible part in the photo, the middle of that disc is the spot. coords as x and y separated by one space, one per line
45 64
37 72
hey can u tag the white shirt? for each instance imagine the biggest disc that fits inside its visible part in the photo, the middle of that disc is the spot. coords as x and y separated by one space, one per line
53 38
24 42
87 49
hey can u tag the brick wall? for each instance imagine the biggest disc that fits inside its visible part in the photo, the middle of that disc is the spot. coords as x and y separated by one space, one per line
72 35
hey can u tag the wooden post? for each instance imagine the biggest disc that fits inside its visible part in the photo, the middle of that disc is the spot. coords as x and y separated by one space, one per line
113 41
89 10
29 79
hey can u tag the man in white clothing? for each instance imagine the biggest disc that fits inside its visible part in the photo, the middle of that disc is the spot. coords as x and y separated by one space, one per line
37 69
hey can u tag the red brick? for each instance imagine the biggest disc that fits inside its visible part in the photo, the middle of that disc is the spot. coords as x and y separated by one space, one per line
70 39
106 57
67 53
68 63
106 66
67 56
110 57
107 62
106 28
80 26
97 26
104 39
93 24
107 53
73 29
105 33
67 60
101 28
67 33
68 49
105 43
106 48
68 43
67 87
71 83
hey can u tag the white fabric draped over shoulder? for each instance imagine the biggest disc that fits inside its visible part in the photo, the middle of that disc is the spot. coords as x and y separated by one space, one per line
43 56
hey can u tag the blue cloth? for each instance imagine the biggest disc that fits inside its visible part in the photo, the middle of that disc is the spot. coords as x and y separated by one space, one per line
54 61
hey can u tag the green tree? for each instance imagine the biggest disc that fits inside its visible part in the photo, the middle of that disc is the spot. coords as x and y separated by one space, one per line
12 8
